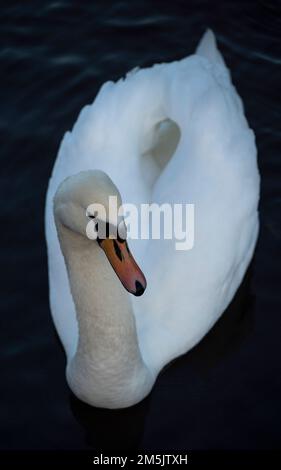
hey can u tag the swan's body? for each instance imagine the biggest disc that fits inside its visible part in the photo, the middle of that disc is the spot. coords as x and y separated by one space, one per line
122 341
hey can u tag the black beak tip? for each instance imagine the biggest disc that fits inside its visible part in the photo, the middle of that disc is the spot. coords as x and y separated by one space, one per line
139 289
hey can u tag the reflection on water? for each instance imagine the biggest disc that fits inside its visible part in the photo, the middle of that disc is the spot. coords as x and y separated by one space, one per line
111 429
123 429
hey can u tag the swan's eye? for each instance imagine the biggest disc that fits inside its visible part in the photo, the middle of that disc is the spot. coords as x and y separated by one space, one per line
122 232
91 216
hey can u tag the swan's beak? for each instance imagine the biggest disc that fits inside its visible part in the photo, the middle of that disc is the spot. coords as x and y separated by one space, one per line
124 265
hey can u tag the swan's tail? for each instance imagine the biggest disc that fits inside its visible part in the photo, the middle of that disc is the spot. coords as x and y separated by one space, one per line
207 48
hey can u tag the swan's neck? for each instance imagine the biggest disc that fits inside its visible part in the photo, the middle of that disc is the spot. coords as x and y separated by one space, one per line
107 366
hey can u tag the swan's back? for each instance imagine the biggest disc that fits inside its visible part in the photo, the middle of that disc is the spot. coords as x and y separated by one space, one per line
213 166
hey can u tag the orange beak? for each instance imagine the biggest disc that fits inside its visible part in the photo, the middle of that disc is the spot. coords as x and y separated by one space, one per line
124 265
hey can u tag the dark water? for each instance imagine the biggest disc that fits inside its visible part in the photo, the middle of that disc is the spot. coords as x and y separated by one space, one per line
225 394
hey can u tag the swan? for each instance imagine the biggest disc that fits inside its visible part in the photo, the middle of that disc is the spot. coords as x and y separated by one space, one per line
176 133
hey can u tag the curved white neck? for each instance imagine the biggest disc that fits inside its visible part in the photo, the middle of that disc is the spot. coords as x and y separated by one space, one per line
107 366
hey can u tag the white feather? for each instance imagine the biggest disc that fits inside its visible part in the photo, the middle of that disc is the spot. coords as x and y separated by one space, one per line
214 166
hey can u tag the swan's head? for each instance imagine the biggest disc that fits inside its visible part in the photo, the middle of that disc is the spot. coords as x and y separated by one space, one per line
74 207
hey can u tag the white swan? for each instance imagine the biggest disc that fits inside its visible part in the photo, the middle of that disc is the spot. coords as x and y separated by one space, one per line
202 153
